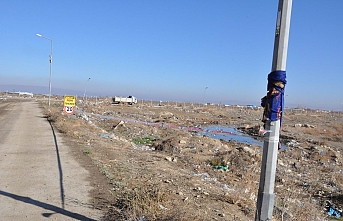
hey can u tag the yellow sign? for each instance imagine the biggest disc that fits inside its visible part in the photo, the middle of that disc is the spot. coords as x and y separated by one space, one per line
69 100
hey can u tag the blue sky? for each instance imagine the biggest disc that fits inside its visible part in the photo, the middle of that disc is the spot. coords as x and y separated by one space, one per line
173 50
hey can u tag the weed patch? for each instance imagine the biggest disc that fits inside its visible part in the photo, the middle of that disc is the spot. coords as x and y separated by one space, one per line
142 141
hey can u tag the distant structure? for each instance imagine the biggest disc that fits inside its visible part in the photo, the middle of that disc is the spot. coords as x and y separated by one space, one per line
25 94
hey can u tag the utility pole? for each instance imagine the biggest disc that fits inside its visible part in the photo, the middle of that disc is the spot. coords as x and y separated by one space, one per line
273 110
50 60
203 101
84 94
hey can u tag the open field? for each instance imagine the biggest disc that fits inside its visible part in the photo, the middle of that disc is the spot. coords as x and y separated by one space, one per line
165 172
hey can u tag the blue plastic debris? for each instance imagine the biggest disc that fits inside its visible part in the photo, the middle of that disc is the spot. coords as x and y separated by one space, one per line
332 210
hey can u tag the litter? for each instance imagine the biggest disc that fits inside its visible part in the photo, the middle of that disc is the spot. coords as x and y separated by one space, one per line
220 167
332 210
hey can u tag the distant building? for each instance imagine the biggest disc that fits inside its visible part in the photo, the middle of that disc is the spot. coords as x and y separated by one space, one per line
251 106
25 94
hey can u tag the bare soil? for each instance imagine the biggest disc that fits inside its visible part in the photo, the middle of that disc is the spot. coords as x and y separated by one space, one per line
150 172
40 178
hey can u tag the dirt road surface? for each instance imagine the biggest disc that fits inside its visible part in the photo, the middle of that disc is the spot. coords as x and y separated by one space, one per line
39 177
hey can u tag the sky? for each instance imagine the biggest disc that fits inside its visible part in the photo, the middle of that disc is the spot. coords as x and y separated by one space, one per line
182 50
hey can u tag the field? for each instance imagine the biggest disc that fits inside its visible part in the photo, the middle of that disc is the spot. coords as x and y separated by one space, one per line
155 165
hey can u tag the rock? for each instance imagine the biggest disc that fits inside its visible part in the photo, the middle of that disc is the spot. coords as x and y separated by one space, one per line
182 142
249 150
280 162
166 114
197 189
171 159
309 126
304 125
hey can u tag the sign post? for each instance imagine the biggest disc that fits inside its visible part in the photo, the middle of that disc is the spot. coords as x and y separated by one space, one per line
69 104
273 111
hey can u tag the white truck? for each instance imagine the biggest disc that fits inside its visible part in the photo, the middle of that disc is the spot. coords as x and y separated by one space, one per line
125 100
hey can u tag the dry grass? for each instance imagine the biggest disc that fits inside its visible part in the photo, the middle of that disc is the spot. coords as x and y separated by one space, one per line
332 132
137 192
133 199
142 201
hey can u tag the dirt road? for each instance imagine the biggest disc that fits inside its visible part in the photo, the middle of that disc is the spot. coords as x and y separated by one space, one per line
39 177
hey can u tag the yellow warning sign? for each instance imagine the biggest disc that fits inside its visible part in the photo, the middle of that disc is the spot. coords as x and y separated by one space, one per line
69 100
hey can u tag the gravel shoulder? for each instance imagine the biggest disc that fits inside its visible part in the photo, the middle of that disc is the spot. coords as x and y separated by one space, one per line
40 177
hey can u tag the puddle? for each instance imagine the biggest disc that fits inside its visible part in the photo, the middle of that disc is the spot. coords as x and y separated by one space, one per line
229 133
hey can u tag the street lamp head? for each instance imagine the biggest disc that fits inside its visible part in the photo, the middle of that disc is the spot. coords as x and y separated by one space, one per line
42 36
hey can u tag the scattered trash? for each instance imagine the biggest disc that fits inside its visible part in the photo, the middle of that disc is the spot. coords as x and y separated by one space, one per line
162 207
227 188
173 159
104 136
204 175
332 210
143 147
321 152
217 132
292 143
220 167
120 123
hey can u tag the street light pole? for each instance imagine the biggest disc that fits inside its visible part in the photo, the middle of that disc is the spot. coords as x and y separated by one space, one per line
204 96
50 60
273 112
84 95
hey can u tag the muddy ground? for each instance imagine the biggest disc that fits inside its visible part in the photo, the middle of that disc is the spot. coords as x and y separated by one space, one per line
154 172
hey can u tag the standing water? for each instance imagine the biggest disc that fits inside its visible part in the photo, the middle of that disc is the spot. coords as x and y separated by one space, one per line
229 133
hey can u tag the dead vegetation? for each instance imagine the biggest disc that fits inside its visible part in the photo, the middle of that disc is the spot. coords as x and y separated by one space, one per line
159 173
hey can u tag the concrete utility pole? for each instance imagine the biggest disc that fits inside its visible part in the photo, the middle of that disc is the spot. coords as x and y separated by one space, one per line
84 94
50 60
266 196
203 101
